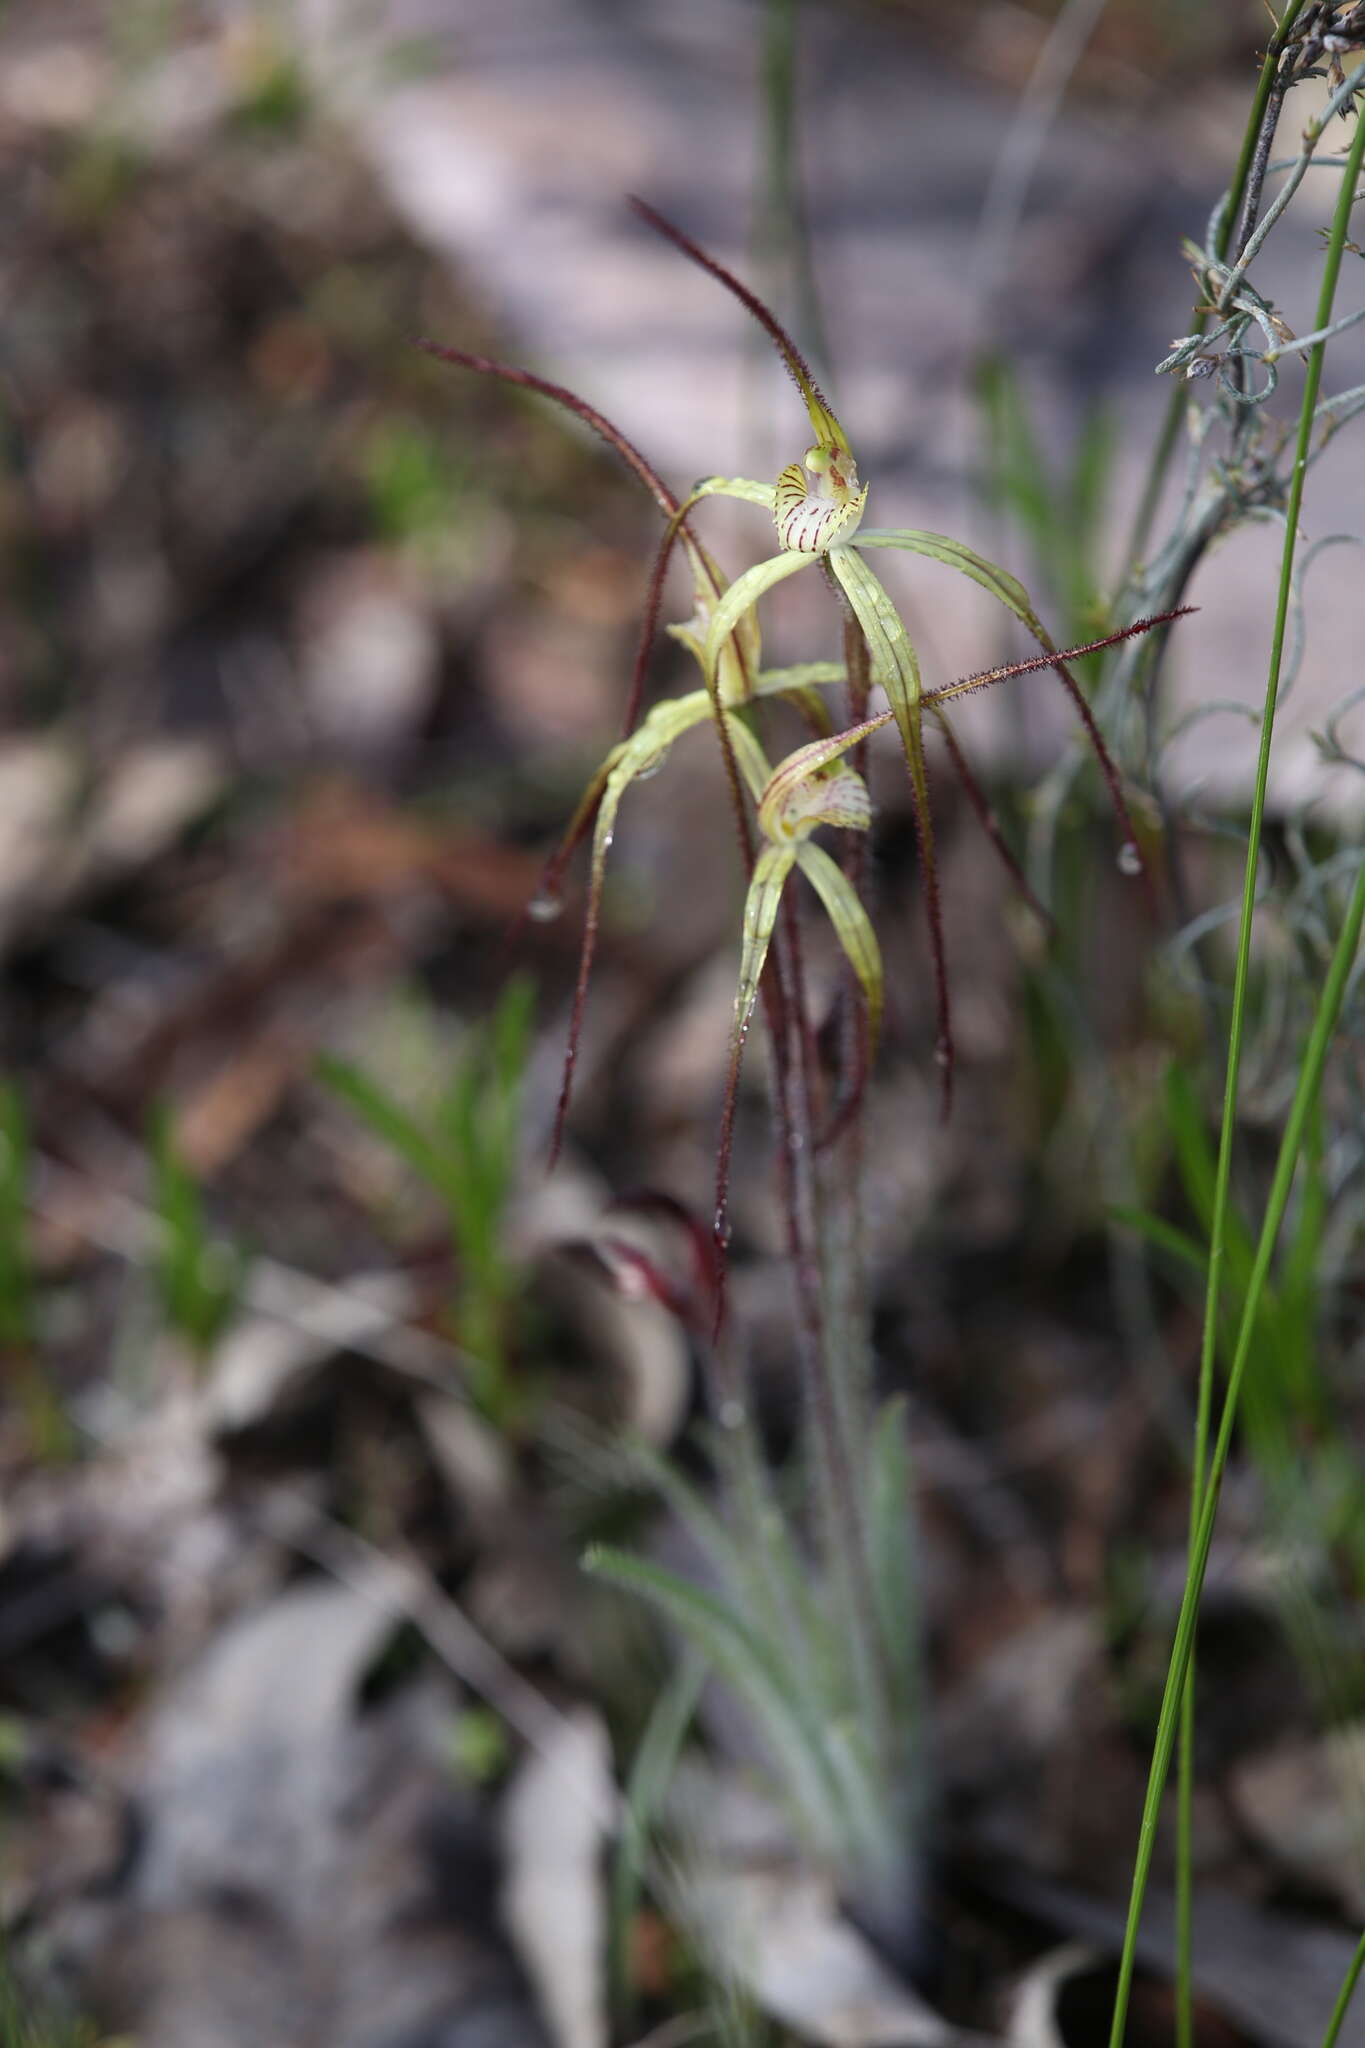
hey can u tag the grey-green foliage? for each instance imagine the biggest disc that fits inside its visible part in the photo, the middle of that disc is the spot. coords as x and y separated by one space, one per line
761 1616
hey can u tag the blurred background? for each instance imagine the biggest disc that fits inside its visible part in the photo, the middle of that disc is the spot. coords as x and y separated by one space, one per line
309 646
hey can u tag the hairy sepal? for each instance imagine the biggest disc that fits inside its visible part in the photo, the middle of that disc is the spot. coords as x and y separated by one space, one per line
1010 592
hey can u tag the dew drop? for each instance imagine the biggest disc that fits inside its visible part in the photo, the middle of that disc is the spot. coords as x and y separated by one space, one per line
652 766
545 906
942 1056
1129 859
731 1415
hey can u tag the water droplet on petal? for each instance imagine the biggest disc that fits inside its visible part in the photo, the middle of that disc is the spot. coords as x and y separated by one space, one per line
1129 859
731 1414
652 766
545 906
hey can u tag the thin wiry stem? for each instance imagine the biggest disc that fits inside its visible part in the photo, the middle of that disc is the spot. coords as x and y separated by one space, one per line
1344 1997
1033 662
1305 1099
509 373
990 824
1255 242
1260 122
938 950
1110 773
1204 1489
1223 1172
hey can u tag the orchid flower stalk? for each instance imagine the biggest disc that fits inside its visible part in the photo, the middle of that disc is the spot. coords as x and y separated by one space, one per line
850 1762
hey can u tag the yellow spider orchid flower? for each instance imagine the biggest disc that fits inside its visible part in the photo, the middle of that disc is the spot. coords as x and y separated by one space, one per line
817 506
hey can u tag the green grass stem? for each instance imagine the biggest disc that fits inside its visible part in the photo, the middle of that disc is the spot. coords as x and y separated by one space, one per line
1344 1997
1218 1228
1296 1129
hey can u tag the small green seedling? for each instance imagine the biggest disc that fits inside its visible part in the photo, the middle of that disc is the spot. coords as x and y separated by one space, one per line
16 1278
479 1747
49 1431
467 1151
199 1277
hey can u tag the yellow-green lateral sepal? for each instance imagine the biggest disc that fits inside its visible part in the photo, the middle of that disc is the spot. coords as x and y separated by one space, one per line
737 665
642 754
740 598
802 676
896 667
940 547
744 487
894 662
771 870
753 762
852 926
1010 592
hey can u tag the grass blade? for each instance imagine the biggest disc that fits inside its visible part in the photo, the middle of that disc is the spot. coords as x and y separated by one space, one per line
1331 272
1301 1111
1344 1997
